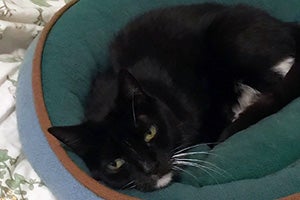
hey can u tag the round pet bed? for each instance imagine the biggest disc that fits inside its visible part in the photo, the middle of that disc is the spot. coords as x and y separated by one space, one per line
262 162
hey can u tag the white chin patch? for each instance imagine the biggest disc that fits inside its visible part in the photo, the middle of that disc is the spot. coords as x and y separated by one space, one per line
164 181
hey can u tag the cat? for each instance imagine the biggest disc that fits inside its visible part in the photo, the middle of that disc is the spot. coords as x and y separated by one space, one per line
180 76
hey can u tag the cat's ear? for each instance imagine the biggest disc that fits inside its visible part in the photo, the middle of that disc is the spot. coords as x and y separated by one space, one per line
128 85
72 136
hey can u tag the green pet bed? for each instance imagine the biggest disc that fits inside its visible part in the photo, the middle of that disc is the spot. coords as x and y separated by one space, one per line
262 162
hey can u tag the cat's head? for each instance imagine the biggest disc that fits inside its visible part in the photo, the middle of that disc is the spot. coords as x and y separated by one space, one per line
133 144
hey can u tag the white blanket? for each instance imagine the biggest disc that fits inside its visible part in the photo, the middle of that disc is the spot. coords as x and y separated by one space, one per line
20 22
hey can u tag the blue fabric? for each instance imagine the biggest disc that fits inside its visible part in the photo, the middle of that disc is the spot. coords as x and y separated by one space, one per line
35 146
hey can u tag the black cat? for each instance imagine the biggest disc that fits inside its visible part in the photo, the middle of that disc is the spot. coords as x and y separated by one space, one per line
180 76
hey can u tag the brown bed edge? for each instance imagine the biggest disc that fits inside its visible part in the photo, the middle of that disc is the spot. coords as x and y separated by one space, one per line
91 184
97 188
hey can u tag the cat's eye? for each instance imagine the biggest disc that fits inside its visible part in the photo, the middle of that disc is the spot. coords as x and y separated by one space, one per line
150 134
116 164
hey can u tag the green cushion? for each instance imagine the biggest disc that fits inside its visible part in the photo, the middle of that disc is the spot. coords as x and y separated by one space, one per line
265 154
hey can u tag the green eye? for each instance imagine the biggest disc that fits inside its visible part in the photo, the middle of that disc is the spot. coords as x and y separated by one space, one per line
150 134
116 164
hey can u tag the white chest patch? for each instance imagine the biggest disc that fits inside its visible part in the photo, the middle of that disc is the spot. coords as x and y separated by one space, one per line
284 66
248 97
164 181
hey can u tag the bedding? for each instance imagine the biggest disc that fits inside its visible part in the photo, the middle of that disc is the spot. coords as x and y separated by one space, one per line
269 151
61 175
20 23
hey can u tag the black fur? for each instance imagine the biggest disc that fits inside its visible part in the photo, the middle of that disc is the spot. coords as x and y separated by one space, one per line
176 69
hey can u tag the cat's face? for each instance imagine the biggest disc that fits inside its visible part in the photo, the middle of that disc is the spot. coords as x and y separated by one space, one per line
132 145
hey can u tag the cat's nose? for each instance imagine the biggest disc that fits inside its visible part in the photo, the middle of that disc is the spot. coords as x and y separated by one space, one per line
150 167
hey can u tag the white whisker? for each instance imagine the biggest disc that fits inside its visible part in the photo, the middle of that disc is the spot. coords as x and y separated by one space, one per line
194 146
206 162
132 187
178 147
197 166
133 110
127 185
185 171
192 153
189 147
217 182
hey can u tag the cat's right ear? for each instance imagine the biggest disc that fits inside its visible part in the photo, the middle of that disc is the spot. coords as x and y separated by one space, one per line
72 136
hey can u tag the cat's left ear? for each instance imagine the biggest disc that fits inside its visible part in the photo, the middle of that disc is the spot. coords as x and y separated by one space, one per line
129 86
72 136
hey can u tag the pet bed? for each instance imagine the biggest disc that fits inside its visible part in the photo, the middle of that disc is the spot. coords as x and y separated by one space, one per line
262 162
20 23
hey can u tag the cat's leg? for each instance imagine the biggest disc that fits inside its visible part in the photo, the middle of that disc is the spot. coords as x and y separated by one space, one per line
271 100
268 103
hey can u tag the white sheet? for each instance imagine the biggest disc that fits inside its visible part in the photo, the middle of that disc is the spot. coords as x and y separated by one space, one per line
20 22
